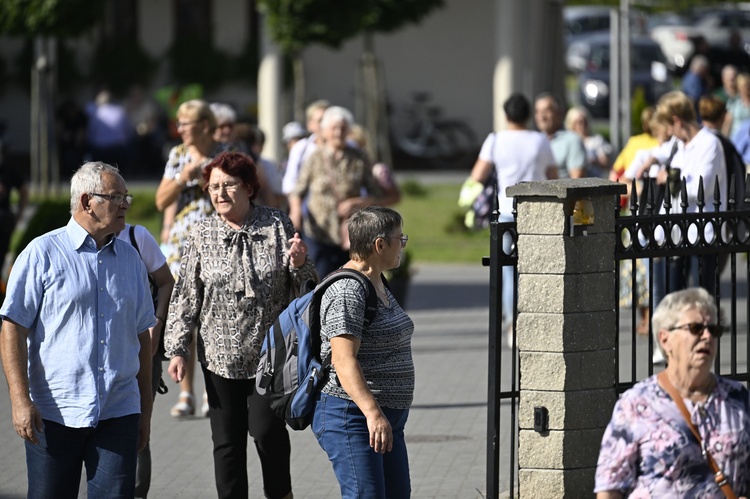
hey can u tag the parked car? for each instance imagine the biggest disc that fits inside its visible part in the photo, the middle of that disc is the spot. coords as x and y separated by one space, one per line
581 21
648 71
677 41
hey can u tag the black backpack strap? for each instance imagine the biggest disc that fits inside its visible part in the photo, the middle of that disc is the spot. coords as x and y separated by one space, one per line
133 242
371 300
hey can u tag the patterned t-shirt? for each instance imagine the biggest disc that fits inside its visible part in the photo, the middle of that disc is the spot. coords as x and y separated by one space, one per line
385 346
649 451
231 286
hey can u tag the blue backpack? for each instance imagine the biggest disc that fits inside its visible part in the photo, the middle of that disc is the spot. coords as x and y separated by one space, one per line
290 371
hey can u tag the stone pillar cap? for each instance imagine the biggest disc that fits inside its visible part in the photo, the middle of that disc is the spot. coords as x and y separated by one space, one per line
567 188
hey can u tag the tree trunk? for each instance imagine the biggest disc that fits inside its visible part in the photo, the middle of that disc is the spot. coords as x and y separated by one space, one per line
371 100
298 68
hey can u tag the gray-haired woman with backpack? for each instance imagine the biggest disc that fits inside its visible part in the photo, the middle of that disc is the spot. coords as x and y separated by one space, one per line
362 410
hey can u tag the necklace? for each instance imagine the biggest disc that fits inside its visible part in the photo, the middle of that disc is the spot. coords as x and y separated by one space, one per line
379 288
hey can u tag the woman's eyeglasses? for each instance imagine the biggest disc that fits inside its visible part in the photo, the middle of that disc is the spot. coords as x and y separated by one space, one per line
228 187
696 328
404 239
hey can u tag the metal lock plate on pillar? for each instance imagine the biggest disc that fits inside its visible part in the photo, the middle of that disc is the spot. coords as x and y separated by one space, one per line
582 218
541 420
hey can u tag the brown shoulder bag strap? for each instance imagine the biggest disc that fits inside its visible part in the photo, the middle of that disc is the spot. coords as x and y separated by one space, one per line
719 477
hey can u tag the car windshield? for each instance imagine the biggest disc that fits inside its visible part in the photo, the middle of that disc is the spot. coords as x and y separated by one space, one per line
641 57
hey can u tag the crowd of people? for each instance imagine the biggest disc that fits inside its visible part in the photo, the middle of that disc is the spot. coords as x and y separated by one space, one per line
92 307
83 355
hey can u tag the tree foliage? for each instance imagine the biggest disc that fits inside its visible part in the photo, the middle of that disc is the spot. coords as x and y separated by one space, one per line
49 17
657 6
294 24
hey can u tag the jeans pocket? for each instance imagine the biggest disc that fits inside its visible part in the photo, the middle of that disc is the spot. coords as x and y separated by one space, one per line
319 416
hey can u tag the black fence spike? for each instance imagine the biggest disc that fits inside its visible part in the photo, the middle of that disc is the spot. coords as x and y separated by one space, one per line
701 202
731 200
747 188
717 194
495 216
651 201
683 196
633 198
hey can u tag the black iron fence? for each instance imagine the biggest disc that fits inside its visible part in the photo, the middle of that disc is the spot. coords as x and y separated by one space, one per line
502 387
671 248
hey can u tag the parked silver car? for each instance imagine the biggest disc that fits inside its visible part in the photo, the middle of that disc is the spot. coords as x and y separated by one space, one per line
714 25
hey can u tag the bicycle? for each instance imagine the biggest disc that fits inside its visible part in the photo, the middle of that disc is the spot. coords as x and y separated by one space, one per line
419 131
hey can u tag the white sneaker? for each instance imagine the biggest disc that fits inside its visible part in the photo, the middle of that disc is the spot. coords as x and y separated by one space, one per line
204 407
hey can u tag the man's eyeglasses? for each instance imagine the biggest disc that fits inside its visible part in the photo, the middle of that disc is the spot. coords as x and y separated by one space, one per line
117 198
696 328
228 187
404 239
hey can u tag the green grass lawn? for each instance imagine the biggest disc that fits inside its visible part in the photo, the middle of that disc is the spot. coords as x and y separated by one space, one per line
431 219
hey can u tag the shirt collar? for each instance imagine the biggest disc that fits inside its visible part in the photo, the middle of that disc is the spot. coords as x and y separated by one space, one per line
79 236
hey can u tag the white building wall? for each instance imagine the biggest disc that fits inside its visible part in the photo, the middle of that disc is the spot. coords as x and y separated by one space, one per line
450 55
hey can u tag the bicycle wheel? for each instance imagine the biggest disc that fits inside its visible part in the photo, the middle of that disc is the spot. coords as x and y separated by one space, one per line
455 141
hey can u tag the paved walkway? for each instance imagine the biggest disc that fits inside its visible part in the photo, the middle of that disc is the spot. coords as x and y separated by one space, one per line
445 433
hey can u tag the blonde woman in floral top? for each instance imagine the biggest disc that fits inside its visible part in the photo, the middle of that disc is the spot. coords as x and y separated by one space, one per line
184 202
238 271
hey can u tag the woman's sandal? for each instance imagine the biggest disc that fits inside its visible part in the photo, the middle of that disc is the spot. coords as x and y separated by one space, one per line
184 407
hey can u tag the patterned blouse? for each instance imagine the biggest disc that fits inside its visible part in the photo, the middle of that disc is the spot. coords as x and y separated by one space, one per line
231 287
325 183
385 349
649 451
193 205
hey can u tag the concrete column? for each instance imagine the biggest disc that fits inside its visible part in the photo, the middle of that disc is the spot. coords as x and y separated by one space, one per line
566 333
269 95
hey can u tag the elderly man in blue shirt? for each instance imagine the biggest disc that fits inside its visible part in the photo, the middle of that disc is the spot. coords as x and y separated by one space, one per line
75 346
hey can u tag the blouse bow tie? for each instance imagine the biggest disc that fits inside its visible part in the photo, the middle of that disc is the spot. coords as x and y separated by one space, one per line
242 256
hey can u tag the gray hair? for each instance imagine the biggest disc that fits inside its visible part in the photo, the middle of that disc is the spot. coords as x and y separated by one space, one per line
88 179
671 307
223 112
368 224
334 114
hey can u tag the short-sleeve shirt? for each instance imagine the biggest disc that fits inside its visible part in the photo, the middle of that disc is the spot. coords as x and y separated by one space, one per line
569 152
649 451
84 308
148 248
518 156
385 345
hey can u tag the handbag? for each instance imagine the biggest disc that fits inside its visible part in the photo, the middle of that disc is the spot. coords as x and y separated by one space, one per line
477 199
719 477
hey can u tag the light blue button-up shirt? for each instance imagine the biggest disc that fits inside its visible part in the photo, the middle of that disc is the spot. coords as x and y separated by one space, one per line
84 309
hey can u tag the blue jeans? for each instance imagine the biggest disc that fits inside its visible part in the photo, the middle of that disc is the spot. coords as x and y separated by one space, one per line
108 451
341 430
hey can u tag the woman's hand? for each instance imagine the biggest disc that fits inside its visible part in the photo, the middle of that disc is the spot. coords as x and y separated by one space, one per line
176 368
381 433
297 250
347 207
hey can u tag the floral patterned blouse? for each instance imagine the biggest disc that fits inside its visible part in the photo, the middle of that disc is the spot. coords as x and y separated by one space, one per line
193 205
649 451
325 182
231 286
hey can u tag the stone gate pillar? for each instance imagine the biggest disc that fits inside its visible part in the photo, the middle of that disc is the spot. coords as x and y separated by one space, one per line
566 332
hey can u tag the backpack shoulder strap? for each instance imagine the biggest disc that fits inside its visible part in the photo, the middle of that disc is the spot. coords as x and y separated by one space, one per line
371 299
133 242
